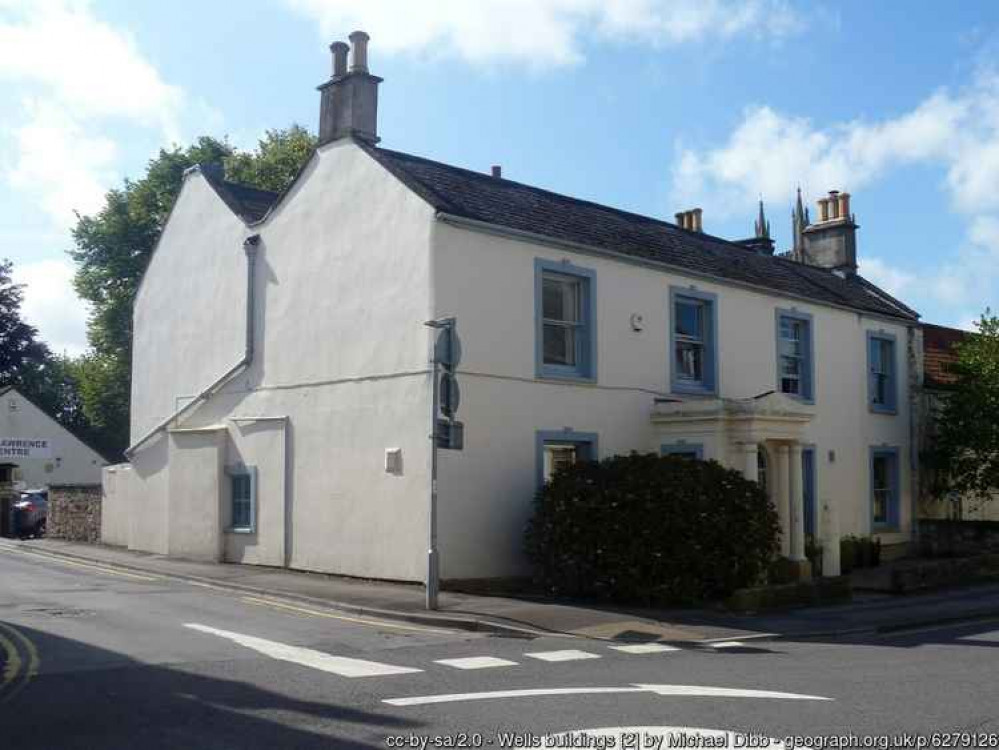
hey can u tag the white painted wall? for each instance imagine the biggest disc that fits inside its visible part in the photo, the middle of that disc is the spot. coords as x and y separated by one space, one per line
488 283
188 316
342 290
71 462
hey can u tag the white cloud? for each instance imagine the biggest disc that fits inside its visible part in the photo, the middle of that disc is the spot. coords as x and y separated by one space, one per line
542 33
74 75
51 305
957 131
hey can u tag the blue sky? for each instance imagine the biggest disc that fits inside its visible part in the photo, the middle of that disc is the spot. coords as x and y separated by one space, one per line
651 105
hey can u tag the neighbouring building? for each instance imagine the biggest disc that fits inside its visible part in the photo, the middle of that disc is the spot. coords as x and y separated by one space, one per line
36 451
281 391
939 357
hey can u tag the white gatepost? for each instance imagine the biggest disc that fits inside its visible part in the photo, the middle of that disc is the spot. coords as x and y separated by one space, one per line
830 540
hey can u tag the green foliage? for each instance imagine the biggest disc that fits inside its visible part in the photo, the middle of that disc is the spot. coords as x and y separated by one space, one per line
965 458
858 552
20 350
113 247
279 156
651 529
51 382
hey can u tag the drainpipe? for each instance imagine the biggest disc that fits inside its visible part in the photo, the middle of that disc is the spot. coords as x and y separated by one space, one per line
250 248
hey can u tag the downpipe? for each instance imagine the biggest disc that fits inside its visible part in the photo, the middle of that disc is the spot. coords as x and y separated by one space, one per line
250 245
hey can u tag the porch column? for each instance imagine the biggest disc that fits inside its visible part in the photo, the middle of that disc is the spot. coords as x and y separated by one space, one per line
751 469
797 498
782 494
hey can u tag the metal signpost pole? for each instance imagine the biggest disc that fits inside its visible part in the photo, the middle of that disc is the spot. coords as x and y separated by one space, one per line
432 571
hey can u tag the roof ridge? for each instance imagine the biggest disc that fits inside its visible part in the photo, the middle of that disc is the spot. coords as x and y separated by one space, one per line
502 202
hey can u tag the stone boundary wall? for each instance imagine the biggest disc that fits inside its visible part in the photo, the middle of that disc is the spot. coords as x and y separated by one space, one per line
938 538
75 512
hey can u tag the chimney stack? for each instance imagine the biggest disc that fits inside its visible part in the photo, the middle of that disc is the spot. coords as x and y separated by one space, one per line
497 171
349 99
690 220
832 241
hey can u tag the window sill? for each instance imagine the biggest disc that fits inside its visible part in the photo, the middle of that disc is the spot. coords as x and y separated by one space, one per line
240 531
890 412
566 376
692 390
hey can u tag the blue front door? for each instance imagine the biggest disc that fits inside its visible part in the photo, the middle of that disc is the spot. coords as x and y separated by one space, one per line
808 490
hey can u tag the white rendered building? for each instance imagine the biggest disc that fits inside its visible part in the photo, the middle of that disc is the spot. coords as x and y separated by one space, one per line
281 391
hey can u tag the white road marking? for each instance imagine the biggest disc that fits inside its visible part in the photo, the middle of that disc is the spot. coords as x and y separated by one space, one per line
476 662
664 690
568 654
989 637
307 657
645 648
728 644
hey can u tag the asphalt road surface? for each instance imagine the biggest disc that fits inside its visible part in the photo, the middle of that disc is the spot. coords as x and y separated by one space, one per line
101 658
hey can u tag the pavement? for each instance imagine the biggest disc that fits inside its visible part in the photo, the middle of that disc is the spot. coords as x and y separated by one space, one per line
870 612
94 655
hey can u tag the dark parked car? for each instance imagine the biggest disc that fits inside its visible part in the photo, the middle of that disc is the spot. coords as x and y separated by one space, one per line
31 513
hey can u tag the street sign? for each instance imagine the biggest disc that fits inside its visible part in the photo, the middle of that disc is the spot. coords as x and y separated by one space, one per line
450 434
447 349
450 395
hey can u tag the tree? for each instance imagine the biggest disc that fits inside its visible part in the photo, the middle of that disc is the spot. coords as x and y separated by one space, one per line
113 247
51 382
965 458
20 350
277 160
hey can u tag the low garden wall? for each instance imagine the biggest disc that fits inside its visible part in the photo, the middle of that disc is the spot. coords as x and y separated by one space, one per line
75 512
943 538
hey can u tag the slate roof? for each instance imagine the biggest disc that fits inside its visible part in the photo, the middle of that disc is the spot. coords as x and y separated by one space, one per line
939 355
505 203
249 203
510 204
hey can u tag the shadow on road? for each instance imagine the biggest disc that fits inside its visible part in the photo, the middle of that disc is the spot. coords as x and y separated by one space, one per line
87 697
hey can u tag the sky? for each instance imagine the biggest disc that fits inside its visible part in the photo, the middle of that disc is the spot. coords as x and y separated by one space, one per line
655 106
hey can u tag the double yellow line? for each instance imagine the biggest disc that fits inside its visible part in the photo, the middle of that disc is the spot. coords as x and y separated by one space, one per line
21 663
79 564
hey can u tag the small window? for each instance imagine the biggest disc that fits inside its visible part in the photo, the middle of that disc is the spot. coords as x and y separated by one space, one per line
242 493
882 384
558 450
566 330
794 354
693 344
884 488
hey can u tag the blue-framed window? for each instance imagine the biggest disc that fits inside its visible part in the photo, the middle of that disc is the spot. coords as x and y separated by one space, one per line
795 355
693 341
559 448
565 320
885 488
882 372
243 499
682 448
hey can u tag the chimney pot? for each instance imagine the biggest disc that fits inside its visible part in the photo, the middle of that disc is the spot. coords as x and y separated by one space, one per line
697 219
681 219
497 170
359 52
823 204
844 206
339 50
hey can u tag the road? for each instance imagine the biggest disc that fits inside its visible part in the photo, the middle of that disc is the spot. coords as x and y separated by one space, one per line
103 658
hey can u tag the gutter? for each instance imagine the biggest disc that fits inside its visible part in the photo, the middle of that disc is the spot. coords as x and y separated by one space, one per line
250 248
540 239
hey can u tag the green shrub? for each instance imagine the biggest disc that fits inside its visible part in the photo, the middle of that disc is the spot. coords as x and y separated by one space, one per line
651 529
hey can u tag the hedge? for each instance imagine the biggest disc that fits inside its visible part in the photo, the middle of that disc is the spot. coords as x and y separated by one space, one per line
650 529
